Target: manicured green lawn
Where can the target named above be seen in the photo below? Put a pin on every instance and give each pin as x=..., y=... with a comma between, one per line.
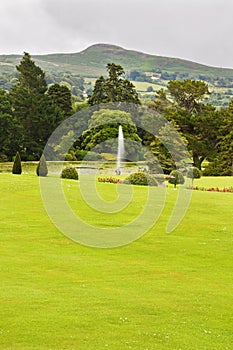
x=163, y=291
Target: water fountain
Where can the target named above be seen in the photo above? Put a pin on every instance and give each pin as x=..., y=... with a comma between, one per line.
x=120, y=150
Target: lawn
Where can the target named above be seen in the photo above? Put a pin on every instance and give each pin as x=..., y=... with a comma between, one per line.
x=163, y=291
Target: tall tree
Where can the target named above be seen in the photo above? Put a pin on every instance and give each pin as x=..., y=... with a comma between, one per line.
x=198, y=122
x=188, y=93
x=9, y=129
x=114, y=88
x=60, y=97
x=225, y=146
x=29, y=106
x=37, y=111
x=31, y=77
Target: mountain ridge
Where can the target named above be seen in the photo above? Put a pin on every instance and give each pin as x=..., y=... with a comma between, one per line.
x=91, y=57
x=91, y=62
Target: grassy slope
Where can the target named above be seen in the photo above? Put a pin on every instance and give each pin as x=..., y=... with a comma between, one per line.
x=92, y=62
x=161, y=292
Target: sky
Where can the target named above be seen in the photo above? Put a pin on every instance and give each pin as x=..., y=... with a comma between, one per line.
x=197, y=30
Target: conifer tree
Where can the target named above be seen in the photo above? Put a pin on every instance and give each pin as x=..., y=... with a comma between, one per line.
x=17, y=167
x=113, y=89
x=30, y=106
x=42, y=169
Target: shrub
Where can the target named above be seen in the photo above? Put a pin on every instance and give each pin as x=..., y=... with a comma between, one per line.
x=92, y=156
x=3, y=157
x=141, y=178
x=194, y=173
x=216, y=168
x=69, y=157
x=17, y=167
x=69, y=173
x=41, y=168
x=109, y=157
x=80, y=154
x=176, y=177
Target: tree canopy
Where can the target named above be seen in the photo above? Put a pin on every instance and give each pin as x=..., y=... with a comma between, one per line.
x=103, y=132
x=37, y=111
x=114, y=88
x=198, y=122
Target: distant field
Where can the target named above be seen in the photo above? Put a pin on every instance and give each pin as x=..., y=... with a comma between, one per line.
x=142, y=86
x=164, y=291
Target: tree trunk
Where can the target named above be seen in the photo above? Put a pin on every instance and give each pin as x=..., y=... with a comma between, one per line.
x=197, y=161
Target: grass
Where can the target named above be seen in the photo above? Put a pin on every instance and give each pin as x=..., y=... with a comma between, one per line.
x=160, y=292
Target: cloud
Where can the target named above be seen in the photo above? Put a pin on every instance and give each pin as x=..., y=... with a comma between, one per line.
x=198, y=30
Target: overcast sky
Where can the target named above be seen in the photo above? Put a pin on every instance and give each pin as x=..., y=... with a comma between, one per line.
x=197, y=30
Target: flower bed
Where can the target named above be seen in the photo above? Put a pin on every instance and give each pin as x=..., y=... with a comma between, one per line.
x=111, y=180
x=212, y=189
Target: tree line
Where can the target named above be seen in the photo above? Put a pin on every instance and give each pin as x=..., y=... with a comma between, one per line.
x=31, y=111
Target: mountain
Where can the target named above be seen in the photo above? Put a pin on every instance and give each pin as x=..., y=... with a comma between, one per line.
x=91, y=63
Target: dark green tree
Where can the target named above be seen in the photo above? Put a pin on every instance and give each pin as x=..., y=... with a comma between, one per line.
x=9, y=129
x=36, y=111
x=224, y=157
x=17, y=167
x=60, y=97
x=30, y=106
x=114, y=88
x=31, y=77
x=201, y=131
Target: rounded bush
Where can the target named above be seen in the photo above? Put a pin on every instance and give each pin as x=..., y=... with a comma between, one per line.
x=141, y=178
x=69, y=157
x=194, y=173
x=69, y=173
x=176, y=177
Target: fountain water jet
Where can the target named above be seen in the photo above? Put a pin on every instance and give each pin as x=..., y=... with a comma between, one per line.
x=120, y=150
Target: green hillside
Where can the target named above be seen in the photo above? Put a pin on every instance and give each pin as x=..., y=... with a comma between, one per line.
x=91, y=63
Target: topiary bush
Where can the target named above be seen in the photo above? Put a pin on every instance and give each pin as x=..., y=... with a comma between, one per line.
x=194, y=173
x=176, y=178
x=17, y=167
x=141, y=178
x=69, y=173
x=41, y=168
